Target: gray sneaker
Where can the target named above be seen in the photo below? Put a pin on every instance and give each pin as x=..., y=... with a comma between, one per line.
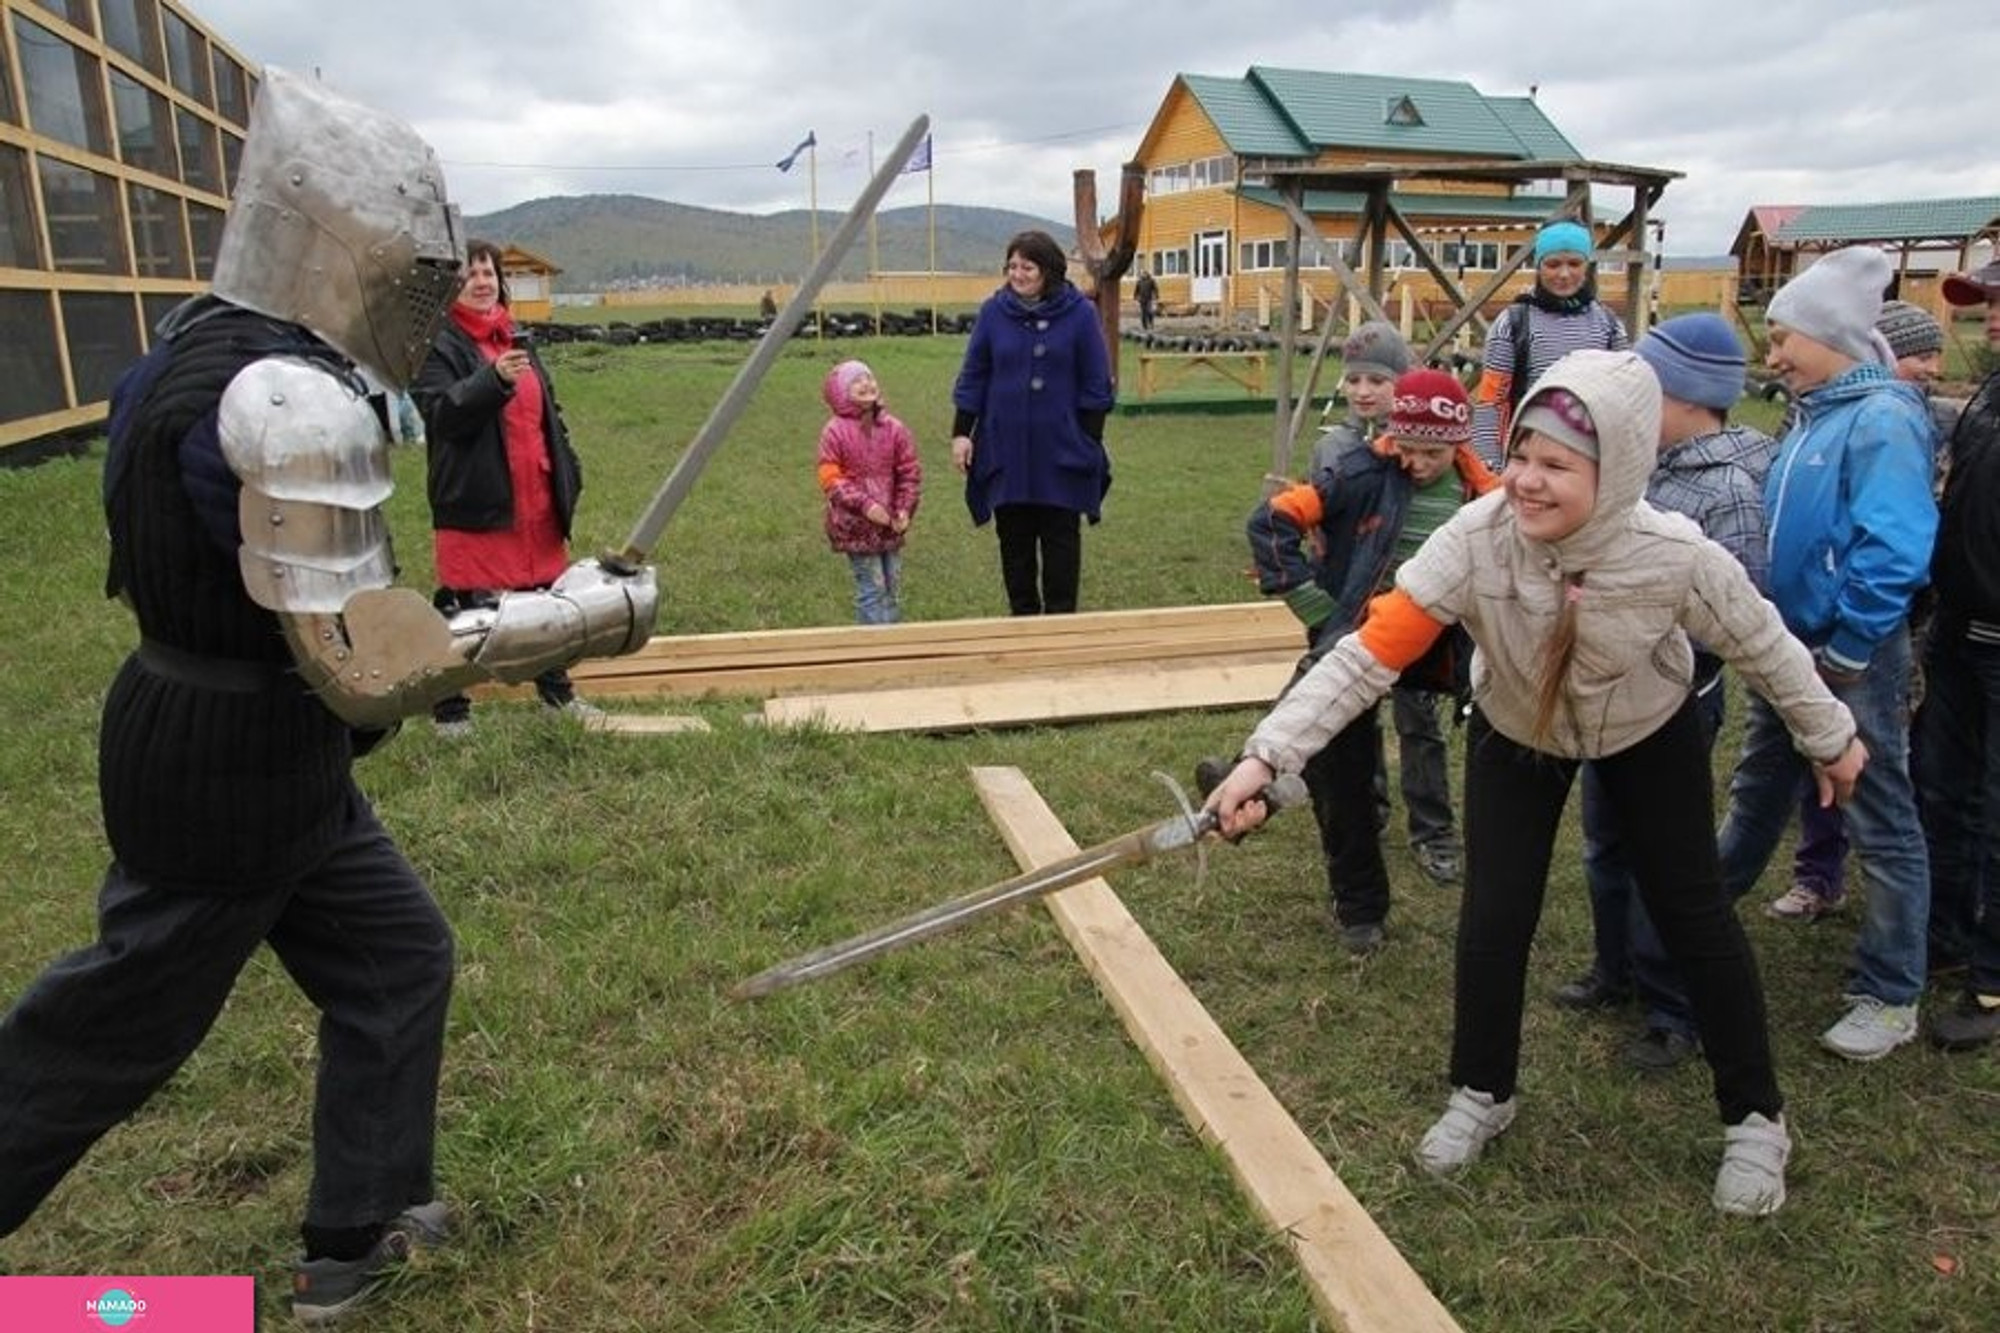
x=1364, y=939
x=1439, y=860
x=1469, y=1121
x=1751, y=1181
x=1870, y=1029
x=323, y=1290
x=1972, y=1023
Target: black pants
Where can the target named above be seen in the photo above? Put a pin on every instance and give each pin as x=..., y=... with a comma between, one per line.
x=1659, y=789
x=553, y=686
x=1041, y=557
x=1341, y=778
x=105, y=1027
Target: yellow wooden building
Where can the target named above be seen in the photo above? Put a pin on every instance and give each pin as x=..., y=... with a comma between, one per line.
x=1217, y=238
x=121, y=124
x=529, y=282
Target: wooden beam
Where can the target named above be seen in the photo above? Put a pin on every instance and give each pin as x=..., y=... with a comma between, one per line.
x=1236, y=681
x=1357, y=1278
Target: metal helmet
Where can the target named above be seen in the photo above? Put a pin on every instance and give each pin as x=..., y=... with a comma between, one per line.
x=340, y=223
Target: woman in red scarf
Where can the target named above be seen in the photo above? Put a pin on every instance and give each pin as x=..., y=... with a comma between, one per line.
x=503, y=479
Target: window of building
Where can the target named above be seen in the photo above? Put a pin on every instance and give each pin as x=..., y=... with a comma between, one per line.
x=187, y=59
x=103, y=331
x=77, y=12
x=8, y=111
x=232, y=159
x=145, y=130
x=86, y=234
x=159, y=236
x=132, y=28
x=205, y=230
x=1212, y=171
x=1168, y=263
x=1264, y=254
x=1176, y=179
x=201, y=161
x=31, y=381
x=232, y=92
x=20, y=242
x=65, y=93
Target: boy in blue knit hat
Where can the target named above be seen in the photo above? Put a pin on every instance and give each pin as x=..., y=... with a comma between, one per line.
x=1713, y=471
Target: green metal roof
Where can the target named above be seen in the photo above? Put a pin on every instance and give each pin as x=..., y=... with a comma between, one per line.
x=1250, y=124
x=1274, y=112
x=1908, y=220
x=1535, y=130
x=1417, y=206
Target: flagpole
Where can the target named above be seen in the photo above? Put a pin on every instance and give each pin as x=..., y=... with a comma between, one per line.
x=812, y=212
x=930, y=214
x=874, y=246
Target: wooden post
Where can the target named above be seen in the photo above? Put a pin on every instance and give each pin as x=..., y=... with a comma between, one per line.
x=1107, y=267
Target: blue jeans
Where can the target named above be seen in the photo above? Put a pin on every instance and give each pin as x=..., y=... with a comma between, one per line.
x=1628, y=947
x=878, y=587
x=1959, y=775
x=1882, y=823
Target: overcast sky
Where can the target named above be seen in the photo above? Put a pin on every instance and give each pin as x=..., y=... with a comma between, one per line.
x=1756, y=101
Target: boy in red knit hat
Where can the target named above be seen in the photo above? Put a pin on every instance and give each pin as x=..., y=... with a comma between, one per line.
x=1371, y=506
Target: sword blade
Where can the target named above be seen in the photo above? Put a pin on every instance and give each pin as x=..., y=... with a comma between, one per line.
x=1134, y=848
x=646, y=532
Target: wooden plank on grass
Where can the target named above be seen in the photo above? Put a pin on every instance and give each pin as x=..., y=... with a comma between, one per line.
x=1238, y=681
x=1357, y=1277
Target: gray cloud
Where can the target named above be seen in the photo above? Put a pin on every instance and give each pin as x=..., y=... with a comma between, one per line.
x=1779, y=102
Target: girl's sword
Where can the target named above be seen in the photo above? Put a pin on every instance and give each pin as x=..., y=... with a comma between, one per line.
x=1127, y=849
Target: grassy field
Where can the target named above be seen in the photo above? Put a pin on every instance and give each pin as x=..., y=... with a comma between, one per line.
x=958, y=1138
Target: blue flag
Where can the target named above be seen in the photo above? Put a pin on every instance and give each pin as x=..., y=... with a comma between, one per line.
x=921, y=159
x=793, y=156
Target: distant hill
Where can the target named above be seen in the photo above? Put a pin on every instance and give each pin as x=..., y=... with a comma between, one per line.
x=605, y=241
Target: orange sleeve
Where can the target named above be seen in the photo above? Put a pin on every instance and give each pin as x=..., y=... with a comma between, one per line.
x=1301, y=504
x=1397, y=631
x=830, y=476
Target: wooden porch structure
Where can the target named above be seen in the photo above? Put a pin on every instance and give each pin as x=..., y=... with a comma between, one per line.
x=1623, y=243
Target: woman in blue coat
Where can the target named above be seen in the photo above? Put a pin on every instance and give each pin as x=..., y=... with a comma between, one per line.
x=1028, y=425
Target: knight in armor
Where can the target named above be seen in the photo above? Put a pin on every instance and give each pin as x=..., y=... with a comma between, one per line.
x=243, y=486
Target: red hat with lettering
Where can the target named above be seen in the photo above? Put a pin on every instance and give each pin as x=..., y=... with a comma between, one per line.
x=1430, y=408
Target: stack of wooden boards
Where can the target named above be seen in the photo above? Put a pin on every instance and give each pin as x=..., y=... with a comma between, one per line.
x=952, y=675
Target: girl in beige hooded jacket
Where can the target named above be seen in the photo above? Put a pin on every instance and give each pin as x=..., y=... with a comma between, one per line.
x=1581, y=599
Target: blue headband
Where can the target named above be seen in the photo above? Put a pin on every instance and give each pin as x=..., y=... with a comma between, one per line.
x=1561, y=238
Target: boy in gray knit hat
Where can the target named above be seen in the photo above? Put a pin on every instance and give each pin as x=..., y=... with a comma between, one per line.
x=1850, y=493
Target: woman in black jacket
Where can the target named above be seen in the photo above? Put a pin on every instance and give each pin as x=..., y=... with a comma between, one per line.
x=503, y=480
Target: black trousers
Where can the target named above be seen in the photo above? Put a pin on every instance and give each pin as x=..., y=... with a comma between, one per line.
x=105, y=1027
x=1660, y=791
x=1041, y=557
x=1341, y=778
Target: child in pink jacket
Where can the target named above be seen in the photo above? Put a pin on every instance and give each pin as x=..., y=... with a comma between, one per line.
x=869, y=472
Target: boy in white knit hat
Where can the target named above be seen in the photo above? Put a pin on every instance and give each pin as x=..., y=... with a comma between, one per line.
x=1851, y=521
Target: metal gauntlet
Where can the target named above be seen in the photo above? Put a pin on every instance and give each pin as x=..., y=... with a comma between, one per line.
x=588, y=612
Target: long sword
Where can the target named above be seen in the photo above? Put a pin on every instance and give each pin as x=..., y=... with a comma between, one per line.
x=646, y=532
x=1127, y=849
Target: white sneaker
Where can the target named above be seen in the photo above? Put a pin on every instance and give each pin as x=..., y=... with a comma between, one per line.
x=1751, y=1181
x=1870, y=1029
x=457, y=729
x=1469, y=1120
x=1801, y=903
x=582, y=710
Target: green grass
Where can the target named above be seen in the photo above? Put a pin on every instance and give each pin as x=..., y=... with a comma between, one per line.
x=959, y=1137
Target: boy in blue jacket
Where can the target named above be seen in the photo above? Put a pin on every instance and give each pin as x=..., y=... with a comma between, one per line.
x=1369, y=508
x=1851, y=520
